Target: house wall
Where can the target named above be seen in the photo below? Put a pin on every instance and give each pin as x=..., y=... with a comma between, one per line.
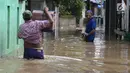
x=11, y=18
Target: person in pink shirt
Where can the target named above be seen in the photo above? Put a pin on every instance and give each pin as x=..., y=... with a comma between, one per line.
x=31, y=33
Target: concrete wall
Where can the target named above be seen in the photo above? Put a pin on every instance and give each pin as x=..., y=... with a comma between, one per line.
x=67, y=25
x=11, y=17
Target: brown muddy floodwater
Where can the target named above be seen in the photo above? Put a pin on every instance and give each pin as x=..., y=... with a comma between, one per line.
x=70, y=54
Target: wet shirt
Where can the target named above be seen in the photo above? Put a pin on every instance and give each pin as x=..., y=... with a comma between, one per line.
x=31, y=32
x=89, y=27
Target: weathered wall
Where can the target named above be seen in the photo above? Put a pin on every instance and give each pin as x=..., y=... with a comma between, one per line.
x=67, y=25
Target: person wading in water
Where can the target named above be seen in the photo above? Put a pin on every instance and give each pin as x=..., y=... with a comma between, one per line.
x=31, y=33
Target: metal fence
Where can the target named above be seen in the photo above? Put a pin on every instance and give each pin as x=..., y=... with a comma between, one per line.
x=99, y=21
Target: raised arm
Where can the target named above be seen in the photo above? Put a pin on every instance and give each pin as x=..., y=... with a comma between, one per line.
x=48, y=15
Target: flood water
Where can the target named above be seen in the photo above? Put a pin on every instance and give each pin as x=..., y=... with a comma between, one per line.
x=70, y=54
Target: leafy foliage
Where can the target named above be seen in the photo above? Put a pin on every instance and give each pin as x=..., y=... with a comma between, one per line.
x=70, y=7
x=74, y=7
x=57, y=2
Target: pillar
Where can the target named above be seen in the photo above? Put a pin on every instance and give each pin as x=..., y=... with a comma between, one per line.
x=110, y=19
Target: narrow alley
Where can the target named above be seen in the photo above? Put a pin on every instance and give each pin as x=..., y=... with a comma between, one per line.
x=64, y=49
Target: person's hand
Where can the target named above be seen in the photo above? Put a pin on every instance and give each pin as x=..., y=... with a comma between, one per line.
x=46, y=9
x=86, y=34
x=48, y=15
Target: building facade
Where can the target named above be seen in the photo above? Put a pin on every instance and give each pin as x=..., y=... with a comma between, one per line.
x=11, y=17
x=39, y=4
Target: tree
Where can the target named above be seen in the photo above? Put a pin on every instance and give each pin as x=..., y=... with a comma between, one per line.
x=70, y=7
x=57, y=2
x=73, y=7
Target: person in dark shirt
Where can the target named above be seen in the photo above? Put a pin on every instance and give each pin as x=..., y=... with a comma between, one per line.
x=90, y=27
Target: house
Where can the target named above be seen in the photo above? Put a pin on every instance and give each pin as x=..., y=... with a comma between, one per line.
x=11, y=17
x=39, y=4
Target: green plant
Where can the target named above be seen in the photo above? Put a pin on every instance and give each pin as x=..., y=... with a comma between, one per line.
x=70, y=7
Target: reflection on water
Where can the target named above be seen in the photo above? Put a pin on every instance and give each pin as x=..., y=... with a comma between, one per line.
x=70, y=54
x=101, y=56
